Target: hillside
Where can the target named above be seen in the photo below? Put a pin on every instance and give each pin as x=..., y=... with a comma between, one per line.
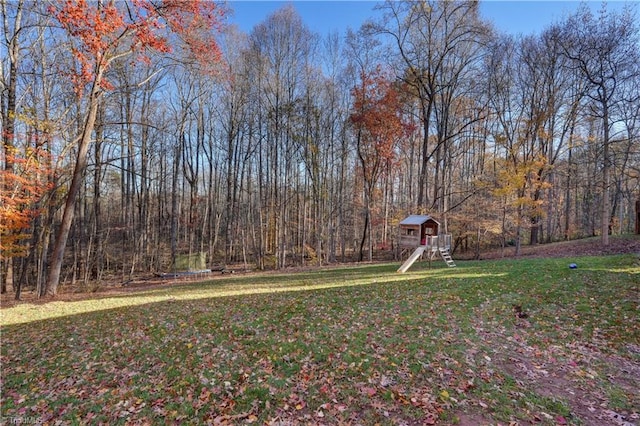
x=582, y=247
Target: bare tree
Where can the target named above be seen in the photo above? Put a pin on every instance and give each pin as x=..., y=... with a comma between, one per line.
x=116, y=39
x=437, y=42
x=604, y=49
x=281, y=46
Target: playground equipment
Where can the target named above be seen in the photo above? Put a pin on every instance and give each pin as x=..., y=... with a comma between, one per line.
x=420, y=232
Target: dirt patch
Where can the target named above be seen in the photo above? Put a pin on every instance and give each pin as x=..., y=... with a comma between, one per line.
x=573, y=374
x=471, y=419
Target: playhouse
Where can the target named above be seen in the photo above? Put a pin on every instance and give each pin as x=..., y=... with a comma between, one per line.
x=421, y=233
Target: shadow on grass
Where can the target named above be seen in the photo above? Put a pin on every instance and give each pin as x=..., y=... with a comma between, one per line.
x=223, y=287
x=438, y=277
x=352, y=334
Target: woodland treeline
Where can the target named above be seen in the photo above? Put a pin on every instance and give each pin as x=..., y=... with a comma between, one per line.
x=286, y=147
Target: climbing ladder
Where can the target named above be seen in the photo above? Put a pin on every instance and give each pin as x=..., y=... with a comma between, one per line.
x=444, y=253
x=446, y=256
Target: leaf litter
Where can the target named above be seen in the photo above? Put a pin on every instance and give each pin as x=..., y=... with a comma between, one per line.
x=450, y=351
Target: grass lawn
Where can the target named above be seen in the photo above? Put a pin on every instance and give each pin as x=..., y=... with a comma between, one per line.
x=525, y=341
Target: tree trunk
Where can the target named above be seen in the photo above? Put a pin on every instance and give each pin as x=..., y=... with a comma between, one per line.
x=76, y=183
x=96, y=263
x=174, y=204
x=567, y=208
x=364, y=235
x=6, y=273
x=638, y=216
x=424, y=157
x=606, y=176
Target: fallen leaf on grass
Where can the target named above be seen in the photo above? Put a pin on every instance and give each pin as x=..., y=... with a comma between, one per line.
x=369, y=391
x=230, y=419
x=430, y=419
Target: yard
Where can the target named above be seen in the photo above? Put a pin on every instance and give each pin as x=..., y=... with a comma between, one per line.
x=516, y=341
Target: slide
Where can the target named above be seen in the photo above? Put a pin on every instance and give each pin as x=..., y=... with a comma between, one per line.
x=406, y=265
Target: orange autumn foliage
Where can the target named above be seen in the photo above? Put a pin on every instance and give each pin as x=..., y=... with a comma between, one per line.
x=112, y=29
x=21, y=191
x=377, y=117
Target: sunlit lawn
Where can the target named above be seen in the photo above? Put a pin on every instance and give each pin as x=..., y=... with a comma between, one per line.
x=358, y=345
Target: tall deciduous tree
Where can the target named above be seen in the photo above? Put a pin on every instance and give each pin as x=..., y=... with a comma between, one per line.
x=280, y=47
x=437, y=42
x=12, y=25
x=265, y=160
x=103, y=32
x=604, y=49
x=377, y=119
x=21, y=189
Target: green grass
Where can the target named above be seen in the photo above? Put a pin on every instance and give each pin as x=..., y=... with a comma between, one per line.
x=359, y=345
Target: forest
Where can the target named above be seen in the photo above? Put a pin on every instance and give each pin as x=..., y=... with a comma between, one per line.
x=137, y=134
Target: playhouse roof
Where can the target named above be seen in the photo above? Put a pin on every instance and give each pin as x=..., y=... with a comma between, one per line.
x=417, y=219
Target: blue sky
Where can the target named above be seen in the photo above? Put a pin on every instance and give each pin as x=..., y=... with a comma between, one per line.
x=514, y=17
